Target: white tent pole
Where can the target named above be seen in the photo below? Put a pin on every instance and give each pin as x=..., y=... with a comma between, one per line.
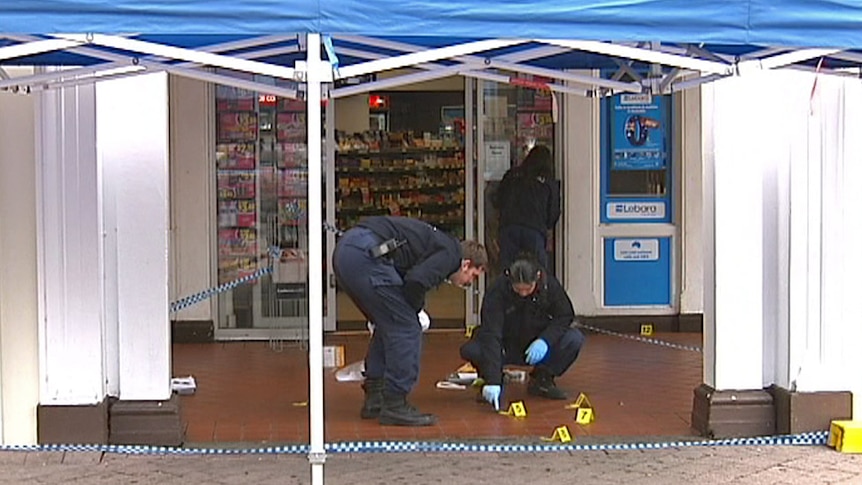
x=476, y=63
x=425, y=56
x=54, y=76
x=398, y=81
x=118, y=60
x=314, y=78
x=567, y=76
x=224, y=80
x=848, y=56
x=508, y=62
x=499, y=78
x=517, y=56
x=105, y=75
x=35, y=47
x=91, y=76
x=530, y=54
x=644, y=55
x=785, y=59
x=178, y=53
x=376, y=55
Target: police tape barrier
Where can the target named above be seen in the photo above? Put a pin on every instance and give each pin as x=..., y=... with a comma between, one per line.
x=274, y=254
x=638, y=338
x=816, y=438
x=182, y=303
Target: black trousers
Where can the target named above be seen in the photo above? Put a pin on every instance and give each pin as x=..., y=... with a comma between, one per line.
x=377, y=289
x=515, y=239
x=557, y=361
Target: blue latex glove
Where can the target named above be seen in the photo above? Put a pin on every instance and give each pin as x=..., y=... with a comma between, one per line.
x=491, y=393
x=536, y=351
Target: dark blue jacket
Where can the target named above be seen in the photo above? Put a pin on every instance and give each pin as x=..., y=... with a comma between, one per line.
x=429, y=255
x=510, y=323
x=528, y=201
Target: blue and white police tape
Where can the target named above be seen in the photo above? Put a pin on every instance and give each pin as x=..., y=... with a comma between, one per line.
x=331, y=228
x=274, y=254
x=817, y=438
x=640, y=339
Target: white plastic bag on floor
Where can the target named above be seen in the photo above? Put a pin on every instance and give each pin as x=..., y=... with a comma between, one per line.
x=355, y=372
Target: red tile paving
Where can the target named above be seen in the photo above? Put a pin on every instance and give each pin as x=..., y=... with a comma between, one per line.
x=252, y=392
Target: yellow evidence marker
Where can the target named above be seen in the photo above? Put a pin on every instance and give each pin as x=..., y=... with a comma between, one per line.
x=585, y=416
x=647, y=329
x=561, y=434
x=584, y=413
x=516, y=409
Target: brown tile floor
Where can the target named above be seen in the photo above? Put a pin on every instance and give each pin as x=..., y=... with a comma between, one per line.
x=253, y=392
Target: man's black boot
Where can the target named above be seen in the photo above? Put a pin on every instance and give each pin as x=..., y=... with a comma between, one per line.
x=398, y=412
x=373, y=398
x=542, y=384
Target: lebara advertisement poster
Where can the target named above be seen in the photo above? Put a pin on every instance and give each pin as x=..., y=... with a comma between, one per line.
x=639, y=137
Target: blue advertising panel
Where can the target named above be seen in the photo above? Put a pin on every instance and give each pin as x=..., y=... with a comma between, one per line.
x=638, y=139
x=636, y=159
x=637, y=271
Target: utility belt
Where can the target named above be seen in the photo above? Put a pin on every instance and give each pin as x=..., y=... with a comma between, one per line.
x=385, y=248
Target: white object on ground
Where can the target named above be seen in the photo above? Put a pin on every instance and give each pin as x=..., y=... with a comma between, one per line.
x=450, y=385
x=183, y=385
x=354, y=372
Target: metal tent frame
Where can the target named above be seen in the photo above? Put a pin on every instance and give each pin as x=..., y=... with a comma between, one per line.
x=677, y=67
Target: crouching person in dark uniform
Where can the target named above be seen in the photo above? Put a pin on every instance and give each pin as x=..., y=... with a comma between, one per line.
x=526, y=318
x=386, y=264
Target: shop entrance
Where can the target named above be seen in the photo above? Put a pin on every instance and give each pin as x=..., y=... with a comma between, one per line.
x=401, y=151
x=430, y=166
x=512, y=121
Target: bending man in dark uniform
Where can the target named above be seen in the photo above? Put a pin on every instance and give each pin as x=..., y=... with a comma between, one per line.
x=526, y=320
x=386, y=264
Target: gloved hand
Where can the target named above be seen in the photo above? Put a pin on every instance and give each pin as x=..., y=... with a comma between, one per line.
x=536, y=351
x=491, y=393
x=424, y=320
x=414, y=293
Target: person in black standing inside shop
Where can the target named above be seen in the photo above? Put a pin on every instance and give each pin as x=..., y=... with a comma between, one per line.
x=526, y=320
x=386, y=264
x=528, y=201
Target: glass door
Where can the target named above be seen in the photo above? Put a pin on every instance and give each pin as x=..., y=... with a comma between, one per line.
x=511, y=120
x=262, y=187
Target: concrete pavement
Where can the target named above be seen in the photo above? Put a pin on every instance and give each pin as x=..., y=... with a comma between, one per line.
x=721, y=464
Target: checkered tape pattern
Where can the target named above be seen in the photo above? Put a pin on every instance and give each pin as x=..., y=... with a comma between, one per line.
x=640, y=338
x=182, y=303
x=274, y=254
x=817, y=438
x=329, y=227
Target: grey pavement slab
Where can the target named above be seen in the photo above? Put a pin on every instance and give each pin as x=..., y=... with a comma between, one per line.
x=713, y=465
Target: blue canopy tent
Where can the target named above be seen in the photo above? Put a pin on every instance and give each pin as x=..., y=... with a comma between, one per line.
x=796, y=23
x=694, y=41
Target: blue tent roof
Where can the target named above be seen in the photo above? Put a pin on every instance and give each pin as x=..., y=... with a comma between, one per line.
x=791, y=23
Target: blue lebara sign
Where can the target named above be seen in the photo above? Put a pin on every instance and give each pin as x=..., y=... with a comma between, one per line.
x=638, y=138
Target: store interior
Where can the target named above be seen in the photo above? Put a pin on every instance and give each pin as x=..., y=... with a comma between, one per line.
x=399, y=151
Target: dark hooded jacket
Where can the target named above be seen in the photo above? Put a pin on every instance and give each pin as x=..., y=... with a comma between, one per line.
x=510, y=323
